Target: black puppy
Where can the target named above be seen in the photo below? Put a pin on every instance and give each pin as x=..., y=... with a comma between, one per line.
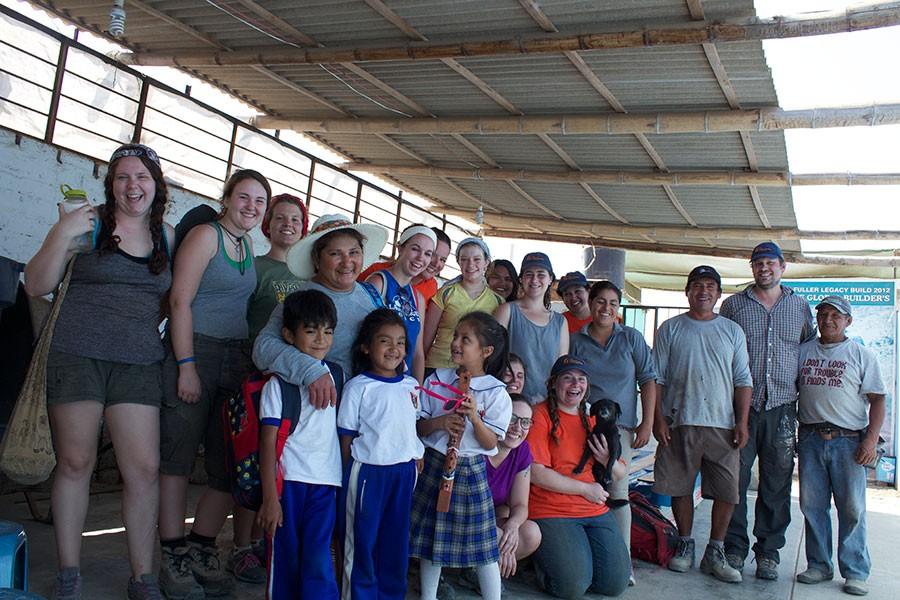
x=606, y=412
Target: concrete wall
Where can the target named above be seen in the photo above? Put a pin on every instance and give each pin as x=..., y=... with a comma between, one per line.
x=30, y=175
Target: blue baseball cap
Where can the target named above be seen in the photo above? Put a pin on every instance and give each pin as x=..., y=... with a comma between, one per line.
x=567, y=362
x=573, y=279
x=767, y=250
x=539, y=260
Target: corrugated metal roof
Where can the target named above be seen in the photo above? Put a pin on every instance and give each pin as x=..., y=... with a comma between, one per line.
x=640, y=79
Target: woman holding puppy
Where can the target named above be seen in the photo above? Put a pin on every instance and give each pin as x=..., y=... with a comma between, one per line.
x=581, y=548
x=616, y=357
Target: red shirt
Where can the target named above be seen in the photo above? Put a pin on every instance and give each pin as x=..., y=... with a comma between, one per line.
x=561, y=457
x=575, y=324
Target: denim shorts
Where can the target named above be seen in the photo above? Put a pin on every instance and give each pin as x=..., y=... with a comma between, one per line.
x=72, y=378
x=221, y=365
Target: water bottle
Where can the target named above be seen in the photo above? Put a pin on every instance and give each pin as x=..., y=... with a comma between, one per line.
x=73, y=199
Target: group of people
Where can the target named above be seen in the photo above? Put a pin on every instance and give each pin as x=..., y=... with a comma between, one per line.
x=733, y=387
x=390, y=374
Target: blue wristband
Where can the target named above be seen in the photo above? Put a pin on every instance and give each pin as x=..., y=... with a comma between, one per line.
x=185, y=360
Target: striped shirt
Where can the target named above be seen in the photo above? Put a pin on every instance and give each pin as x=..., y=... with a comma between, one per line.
x=773, y=342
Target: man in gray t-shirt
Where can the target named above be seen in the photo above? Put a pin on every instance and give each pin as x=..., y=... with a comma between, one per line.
x=703, y=372
x=841, y=410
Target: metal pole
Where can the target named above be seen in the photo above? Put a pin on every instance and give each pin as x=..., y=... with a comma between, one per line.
x=230, y=164
x=139, y=118
x=57, y=91
x=397, y=224
x=358, y=200
x=309, y=187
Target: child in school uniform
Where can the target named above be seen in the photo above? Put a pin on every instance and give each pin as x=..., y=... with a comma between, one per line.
x=466, y=535
x=379, y=447
x=299, y=518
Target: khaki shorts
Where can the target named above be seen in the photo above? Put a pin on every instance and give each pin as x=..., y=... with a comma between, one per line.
x=73, y=378
x=221, y=365
x=693, y=449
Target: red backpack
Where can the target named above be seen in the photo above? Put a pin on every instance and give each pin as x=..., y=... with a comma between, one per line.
x=653, y=536
x=240, y=415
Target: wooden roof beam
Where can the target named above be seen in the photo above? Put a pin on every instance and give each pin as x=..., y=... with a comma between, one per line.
x=719, y=251
x=503, y=220
x=854, y=19
x=669, y=122
x=679, y=178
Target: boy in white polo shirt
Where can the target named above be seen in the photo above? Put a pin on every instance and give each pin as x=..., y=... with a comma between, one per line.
x=299, y=518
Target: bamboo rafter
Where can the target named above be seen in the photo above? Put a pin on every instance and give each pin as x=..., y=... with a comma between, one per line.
x=505, y=221
x=679, y=178
x=718, y=251
x=671, y=122
x=864, y=17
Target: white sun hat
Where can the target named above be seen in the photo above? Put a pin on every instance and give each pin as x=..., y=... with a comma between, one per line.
x=299, y=256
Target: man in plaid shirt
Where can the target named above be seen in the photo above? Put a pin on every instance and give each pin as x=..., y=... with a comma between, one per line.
x=775, y=321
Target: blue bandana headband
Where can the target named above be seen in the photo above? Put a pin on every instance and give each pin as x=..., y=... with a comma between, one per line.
x=138, y=150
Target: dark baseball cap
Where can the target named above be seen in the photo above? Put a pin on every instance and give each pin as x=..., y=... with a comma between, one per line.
x=571, y=279
x=767, y=250
x=539, y=260
x=839, y=303
x=704, y=272
x=567, y=362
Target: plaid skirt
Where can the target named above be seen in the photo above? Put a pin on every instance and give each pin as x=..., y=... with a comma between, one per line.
x=466, y=536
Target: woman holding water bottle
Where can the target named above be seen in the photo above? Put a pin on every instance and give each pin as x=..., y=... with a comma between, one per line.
x=106, y=355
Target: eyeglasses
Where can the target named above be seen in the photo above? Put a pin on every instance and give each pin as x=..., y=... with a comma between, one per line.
x=522, y=422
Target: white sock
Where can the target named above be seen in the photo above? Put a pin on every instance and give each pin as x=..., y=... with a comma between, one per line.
x=429, y=577
x=489, y=580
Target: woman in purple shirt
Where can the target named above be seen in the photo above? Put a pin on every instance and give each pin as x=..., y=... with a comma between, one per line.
x=509, y=477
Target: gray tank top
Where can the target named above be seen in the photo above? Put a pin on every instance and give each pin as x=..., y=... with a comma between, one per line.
x=112, y=309
x=537, y=346
x=220, y=306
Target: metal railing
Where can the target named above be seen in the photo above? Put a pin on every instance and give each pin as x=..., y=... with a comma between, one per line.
x=647, y=319
x=58, y=90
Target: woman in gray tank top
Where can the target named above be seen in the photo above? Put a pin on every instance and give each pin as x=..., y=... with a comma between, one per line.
x=105, y=356
x=537, y=334
x=208, y=357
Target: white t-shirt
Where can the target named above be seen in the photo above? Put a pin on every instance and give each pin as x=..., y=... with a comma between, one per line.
x=381, y=413
x=494, y=406
x=312, y=452
x=833, y=383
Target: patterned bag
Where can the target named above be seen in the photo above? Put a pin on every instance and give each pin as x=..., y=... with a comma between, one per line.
x=27, y=455
x=240, y=418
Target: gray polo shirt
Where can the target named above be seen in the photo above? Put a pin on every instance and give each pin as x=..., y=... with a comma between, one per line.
x=616, y=369
x=700, y=363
